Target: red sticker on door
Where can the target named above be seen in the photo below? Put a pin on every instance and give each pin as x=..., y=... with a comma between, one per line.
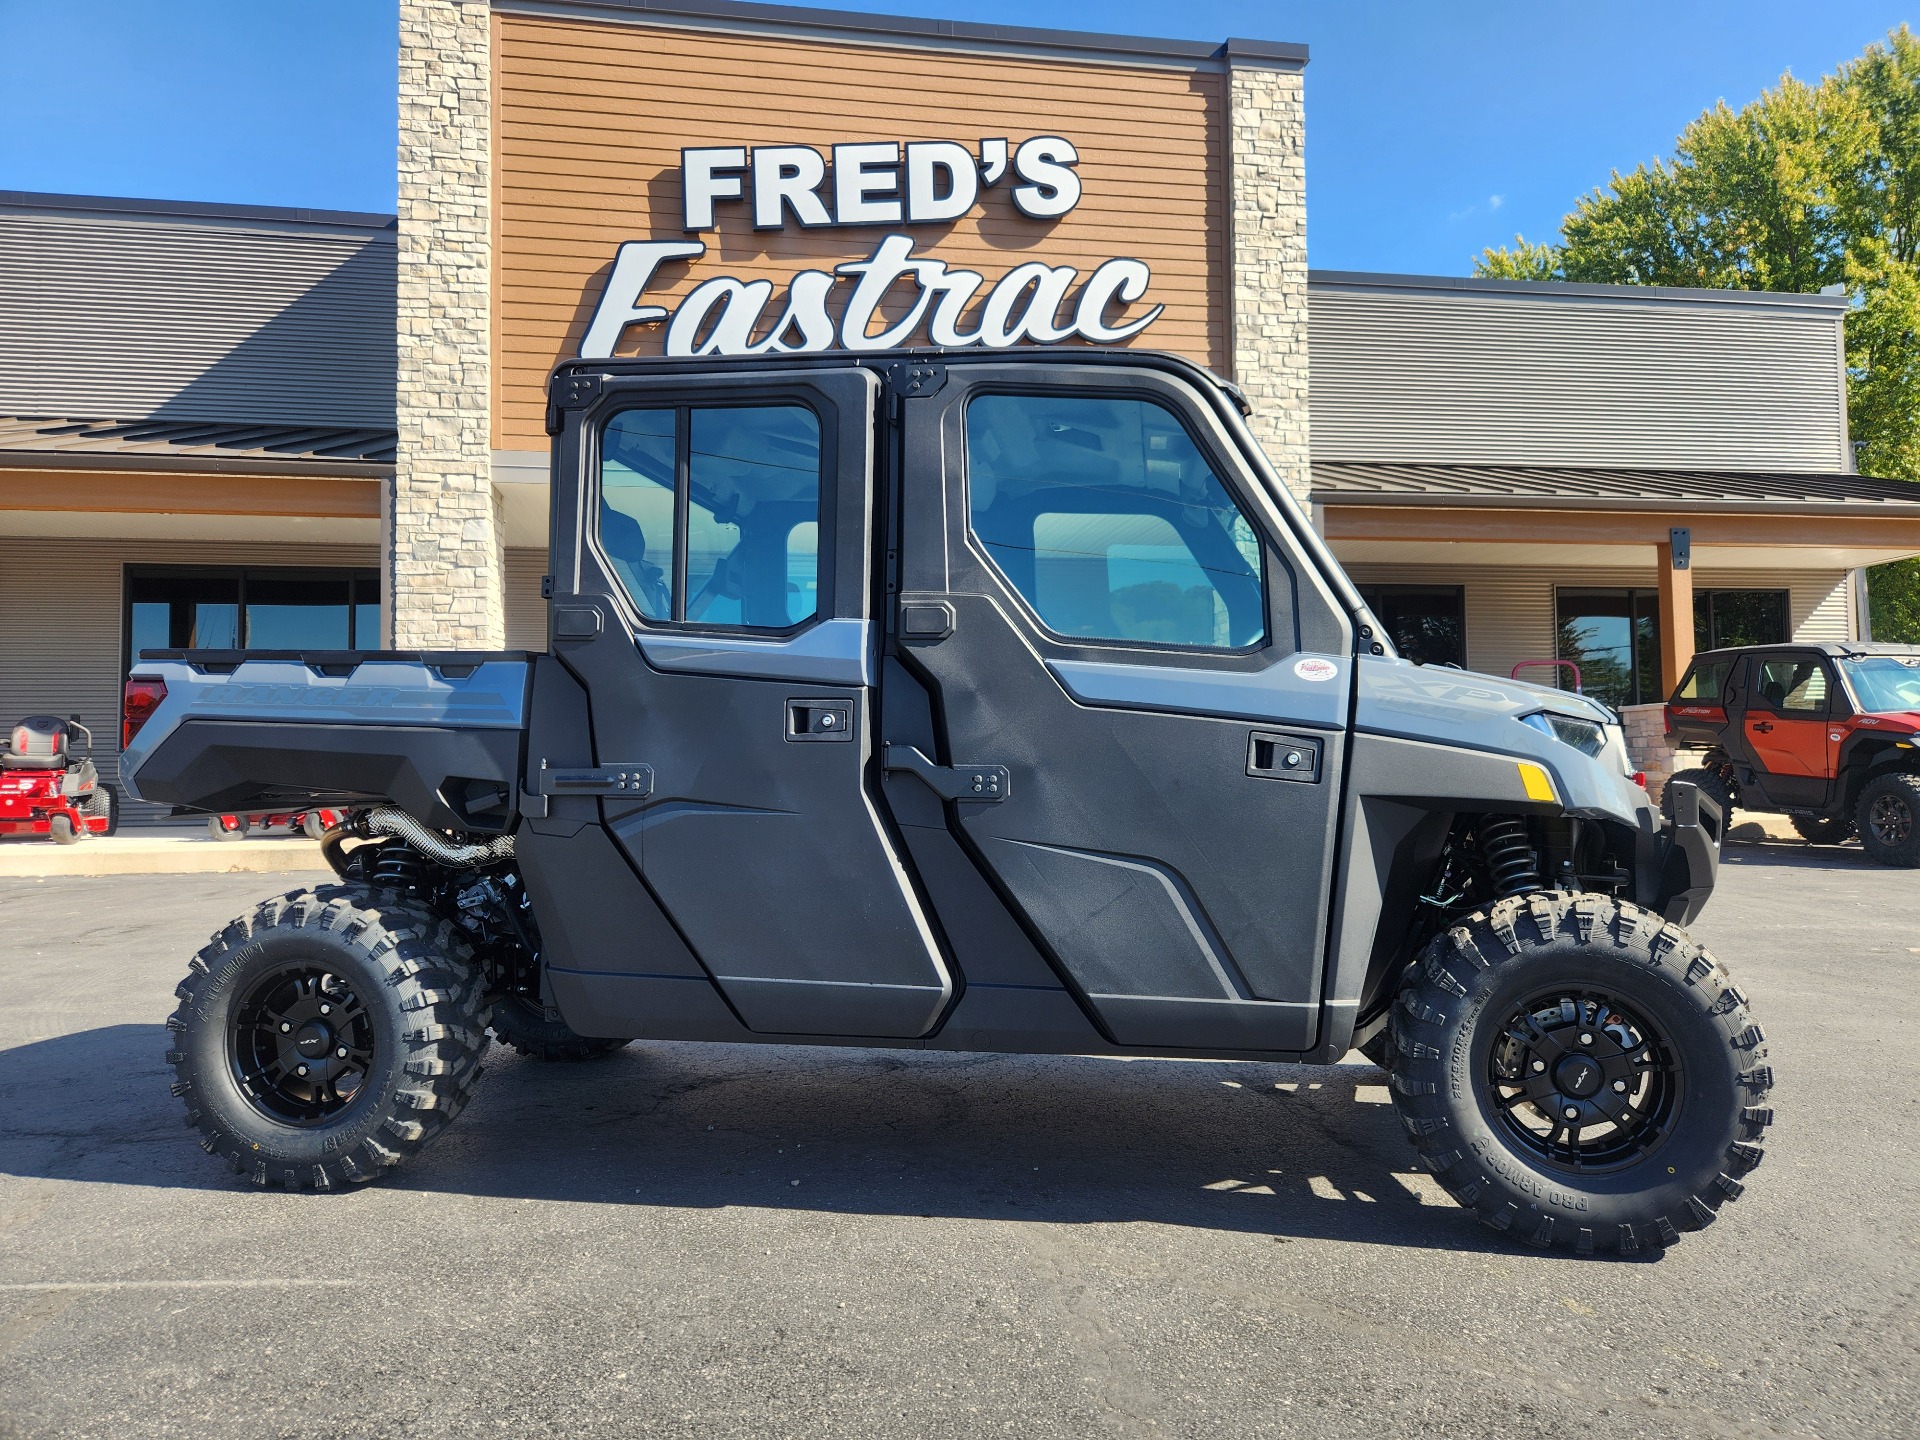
x=1314, y=668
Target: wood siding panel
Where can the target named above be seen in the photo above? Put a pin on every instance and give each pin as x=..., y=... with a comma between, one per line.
x=1467, y=377
x=589, y=121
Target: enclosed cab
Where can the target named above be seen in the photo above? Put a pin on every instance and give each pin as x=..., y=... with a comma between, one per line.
x=972, y=702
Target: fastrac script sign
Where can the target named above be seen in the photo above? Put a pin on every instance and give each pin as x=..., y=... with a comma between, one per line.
x=894, y=296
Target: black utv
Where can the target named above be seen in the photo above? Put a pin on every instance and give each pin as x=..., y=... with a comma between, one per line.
x=958, y=701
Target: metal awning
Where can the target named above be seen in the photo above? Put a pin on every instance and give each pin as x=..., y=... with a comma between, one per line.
x=1584, y=488
x=55, y=442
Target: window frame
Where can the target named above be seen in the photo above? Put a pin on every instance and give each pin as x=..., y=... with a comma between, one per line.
x=682, y=402
x=353, y=575
x=1270, y=559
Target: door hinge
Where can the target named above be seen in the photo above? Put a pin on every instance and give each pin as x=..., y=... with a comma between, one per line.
x=956, y=782
x=631, y=780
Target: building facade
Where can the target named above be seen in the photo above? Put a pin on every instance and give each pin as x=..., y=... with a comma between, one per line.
x=242, y=426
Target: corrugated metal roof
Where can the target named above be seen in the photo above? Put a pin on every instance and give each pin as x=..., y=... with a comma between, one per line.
x=1349, y=482
x=124, y=441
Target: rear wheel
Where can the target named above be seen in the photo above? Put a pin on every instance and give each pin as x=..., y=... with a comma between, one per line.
x=1711, y=783
x=103, y=804
x=1823, y=830
x=327, y=1037
x=532, y=1029
x=1889, y=817
x=1576, y=1071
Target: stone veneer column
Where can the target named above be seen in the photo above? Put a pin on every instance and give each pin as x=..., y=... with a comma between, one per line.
x=1267, y=201
x=445, y=541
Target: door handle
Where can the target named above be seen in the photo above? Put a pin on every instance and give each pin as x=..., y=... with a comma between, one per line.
x=957, y=782
x=1765, y=727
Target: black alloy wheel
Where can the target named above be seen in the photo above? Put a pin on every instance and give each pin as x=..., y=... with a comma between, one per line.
x=301, y=1045
x=327, y=1037
x=1582, y=1081
x=1889, y=817
x=1579, y=1072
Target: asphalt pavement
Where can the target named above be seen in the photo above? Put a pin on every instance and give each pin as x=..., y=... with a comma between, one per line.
x=703, y=1240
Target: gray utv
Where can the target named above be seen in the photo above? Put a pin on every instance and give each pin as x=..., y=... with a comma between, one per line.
x=960, y=701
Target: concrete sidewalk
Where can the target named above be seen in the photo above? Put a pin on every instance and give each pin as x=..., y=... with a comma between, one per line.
x=159, y=854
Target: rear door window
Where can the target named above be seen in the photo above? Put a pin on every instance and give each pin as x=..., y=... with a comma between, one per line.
x=710, y=515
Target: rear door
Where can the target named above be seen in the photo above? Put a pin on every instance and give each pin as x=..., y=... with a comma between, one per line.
x=714, y=572
x=1137, y=747
x=1786, y=726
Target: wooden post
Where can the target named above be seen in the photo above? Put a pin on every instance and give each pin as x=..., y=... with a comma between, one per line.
x=1675, y=559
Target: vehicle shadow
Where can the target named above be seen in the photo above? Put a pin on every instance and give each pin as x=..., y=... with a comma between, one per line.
x=1291, y=1151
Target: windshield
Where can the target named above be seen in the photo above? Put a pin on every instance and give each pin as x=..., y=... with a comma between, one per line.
x=1885, y=683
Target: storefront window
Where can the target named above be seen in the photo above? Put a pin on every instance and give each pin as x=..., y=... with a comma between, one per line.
x=1614, y=637
x=1723, y=618
x=1427, y=623
x=176, y=608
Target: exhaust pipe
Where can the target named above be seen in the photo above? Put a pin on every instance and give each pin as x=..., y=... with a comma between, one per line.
x=385, y=820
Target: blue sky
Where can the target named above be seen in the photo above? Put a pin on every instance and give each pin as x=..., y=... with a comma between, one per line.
x=1434, y=127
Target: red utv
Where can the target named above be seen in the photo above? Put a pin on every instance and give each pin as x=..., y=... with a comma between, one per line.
x=47, y=790
x=1823, y=733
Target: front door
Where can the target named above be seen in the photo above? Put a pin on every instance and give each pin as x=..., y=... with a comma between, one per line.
x=717, y=553
x=1138, y=749
x=1787, y=727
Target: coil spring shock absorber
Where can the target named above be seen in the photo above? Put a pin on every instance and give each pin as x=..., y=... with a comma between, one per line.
x=1511, y=863
x=398, y=865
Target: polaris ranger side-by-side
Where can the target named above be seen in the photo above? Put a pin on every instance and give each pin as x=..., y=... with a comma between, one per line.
x=957, y=701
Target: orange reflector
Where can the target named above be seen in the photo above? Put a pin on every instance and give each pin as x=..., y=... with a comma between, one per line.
x=1538, y=784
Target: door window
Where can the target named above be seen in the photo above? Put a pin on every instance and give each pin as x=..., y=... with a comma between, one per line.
x=1104, y=516
x=1796, y=685
x=710, y=515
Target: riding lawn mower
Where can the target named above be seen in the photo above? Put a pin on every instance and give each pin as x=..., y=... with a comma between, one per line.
x=45, y=789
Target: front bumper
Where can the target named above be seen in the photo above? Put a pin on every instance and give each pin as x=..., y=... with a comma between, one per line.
x=1679, y=865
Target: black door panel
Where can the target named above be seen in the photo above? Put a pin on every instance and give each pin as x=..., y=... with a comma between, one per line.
x=762, y=845
x=1181, y=897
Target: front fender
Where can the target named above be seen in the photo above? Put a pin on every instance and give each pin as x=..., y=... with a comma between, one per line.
x=1678, y=866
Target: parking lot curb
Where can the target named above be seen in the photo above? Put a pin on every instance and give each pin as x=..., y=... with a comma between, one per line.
x=158, y=855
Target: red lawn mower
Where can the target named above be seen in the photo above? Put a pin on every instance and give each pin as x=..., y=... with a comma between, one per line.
x=47, y=790
x=311, y=823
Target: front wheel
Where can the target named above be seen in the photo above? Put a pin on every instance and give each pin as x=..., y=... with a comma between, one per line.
x=327, y=1037
x=1579, y=1073
x=1889, y=817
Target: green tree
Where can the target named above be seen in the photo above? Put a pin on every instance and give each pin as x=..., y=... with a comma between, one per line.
x=1808, y=186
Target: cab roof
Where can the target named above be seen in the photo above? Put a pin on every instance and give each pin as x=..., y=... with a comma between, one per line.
x=1834, y=649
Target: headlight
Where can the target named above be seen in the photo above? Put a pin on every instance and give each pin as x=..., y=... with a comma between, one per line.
x=1586, y=736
